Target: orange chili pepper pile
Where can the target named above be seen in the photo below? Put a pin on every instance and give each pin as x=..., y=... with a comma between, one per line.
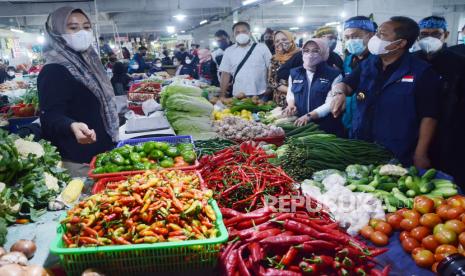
x=147, y=208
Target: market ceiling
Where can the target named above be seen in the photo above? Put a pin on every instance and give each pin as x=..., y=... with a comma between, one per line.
x=153, y=16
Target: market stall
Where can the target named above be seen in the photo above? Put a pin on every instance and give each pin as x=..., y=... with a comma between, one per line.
x=240, y=190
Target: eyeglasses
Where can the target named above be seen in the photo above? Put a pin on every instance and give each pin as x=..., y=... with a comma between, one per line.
x=436, y=34
x=311, y=51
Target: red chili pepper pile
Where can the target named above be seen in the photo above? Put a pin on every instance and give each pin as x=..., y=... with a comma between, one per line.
x=264, y=242
x=241, y=177
x=148, y=208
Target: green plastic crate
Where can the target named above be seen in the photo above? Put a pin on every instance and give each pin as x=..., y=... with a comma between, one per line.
x=183, y=256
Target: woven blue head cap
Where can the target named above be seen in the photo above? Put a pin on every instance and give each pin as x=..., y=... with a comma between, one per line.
x=433, y=23
x=366, y=25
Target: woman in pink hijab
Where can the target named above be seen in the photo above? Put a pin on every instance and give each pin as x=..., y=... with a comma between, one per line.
x=309, y=85
x=206, y=67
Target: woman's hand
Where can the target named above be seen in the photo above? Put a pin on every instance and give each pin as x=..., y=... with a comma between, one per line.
x=302, y=121
x=338, y=105
x=290, y=110
x=83, y=134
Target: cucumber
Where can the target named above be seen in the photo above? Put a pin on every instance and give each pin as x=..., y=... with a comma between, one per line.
x=426, y=186
x=429, y=175
x=445, y=192
x=362, y=181
x=400, y=196
x=440, y=183
x=410, y=193
x=375, y=181
x=387, y=186
x=392, y=203
x=381, y=193
x=365, y=188
x=401, y=184
x=352, y=187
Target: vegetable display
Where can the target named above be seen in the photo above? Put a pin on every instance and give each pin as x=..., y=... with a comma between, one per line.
x=30, y=177
x=351, y=210
x=264, y=242
x=395, y=185
x=187, y=111
x=145, y=156
x=308, y=154
x=432, y=230
x=146, y=208
x=241, y=130
x=244, y=114
x=209, y=147
x=253, y=104
x=241, y=177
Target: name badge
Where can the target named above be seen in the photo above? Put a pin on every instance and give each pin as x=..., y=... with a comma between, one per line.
x=324, y=80
x=407, y=79
x=297, y=81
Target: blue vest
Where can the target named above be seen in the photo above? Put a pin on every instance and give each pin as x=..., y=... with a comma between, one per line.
x=307, y=98
x=388, y=115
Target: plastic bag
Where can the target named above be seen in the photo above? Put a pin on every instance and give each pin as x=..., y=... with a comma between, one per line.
x=150, y=106
x=321, y=175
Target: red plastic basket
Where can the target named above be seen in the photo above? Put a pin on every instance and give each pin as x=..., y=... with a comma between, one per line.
x=155, y=85
x=127, y=173
x=276, y=140
x=137, y=109
x=101, y=184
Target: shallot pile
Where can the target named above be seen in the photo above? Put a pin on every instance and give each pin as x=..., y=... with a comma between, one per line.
x=236, y=128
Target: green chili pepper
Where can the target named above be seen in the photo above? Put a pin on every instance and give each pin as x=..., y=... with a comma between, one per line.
x=117, y=158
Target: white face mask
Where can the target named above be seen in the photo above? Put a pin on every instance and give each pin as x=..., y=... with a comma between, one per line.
x=79, y=41
x=175, y=63
x=188, y=61
x=242, y=38
x=11, y=73
x=158, y=65
x=377, y=46
x=135, y=66
x=430, y=44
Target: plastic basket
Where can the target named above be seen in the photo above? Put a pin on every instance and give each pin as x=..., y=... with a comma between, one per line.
x=137, y=259
x=168, y=139
x=137, y=109
x=136, y=85
x=276, y=140
x=101, y=184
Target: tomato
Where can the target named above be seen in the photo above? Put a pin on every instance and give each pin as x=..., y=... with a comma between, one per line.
x=415, y=251
x=438, y=201
x=394, y=220
x=424, y=258
x=462, y=238
x=420, y=232
x=455, y=212
x=442, y=211
x=430, y=220
x=434, y=268
x=439, y=257
x=423, y=204
x=366, y=231
x=445, y=236
x=446, y=248
x=374, y=222
x=409, y=224
x=438, y=228
x=403, y=235
x=430, y=243
x=460, y=249
x=411, y=214
x=457, y=200
x=400, y=212
x=409, y=244
x=384, y=227
x=379, y=238
x=455, y=225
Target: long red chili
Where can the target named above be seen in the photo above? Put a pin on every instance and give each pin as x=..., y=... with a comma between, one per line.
x=289, y=256
x=278, y=272
x=286, y=240
x=243, y=270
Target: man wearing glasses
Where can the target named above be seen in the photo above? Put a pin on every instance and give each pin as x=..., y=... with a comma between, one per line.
x=448, y=147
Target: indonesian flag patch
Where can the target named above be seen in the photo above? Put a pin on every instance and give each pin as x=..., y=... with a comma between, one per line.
x=407, y=79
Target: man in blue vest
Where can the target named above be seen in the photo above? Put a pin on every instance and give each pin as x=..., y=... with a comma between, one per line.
x=397, y=95
x=358, y=30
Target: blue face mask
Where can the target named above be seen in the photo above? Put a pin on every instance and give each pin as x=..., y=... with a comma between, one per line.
x=355, y=46
x=463, y=39
x=223, y=44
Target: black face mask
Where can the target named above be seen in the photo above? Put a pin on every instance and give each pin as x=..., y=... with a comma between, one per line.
x=182, y=49
x=269, y=43
x=113, y=59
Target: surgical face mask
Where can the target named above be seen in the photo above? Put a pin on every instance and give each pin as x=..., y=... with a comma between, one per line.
x=242, y=38
x=311, y=60
x=430, y=44
x=463, y=39
x=134, y=66
x=188, y=61
x=11, y=73
x=158, y=65
x=175, y=63
x=355, y=46
x=332, y=44
x=79, y=41
x=377, y=46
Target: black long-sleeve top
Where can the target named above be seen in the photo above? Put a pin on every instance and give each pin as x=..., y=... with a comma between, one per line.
x=63, y=100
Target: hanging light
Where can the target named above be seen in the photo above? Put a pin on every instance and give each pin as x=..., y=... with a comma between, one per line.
x=205, y=21
x=171, y=29
x=287, y=2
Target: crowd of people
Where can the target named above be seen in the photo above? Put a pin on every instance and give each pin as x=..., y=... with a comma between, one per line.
x=379, y=90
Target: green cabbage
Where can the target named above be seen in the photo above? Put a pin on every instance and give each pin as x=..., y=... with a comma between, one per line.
x=171, y=90
x=194, y=105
